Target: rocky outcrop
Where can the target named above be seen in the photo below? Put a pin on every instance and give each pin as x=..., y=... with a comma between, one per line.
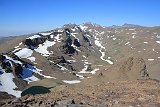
x=135, y=66
x=34, y=42
x=13, y=65
x=57, y=59
x=17, y=69
x=76, y=43
x=2, y=58
x=10, y=66
x=60, y=60
x=66, y=47
x=86, y=39
x=68, y=31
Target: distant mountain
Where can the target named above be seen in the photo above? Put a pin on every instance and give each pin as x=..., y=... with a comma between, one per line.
x=130, y=25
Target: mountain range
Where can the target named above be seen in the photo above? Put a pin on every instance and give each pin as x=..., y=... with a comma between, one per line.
x=82, y=65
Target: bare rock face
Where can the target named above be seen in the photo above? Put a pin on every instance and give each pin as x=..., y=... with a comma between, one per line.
x=135, y=67
x=57, y=59
x=60, y=60
x=34, y=42
x=76, y=43
x=68, y=49
x=11, y=66
x=17, y=69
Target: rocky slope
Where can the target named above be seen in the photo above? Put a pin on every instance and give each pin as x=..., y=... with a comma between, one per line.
x=139, y=93
x=87, y=54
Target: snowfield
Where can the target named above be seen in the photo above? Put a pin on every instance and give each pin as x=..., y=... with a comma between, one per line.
x=42, y=48
x=24, y=53
x=7, y=84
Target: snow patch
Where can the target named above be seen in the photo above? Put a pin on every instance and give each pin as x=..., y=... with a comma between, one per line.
x=42, y=48
x=45, y=33
x=97, y=42
x=33, y=37
x=17, y=49
x=71, y=61
x=24, y=53
x=7, y=84
x=133, y=36
x=114, y=38
x=134, y=33
x=9, y=58
x=20, y=43
x=84, y=56
x=80, y=76
x=102, y=57
x=158, y=36
x=62, y=67
x=36, y=70
x=75, y=47
x=31, y=79
x=57, y=38
x=83, y=27
x=16, y=46
x=32, y=59
x=71, y=81
x=145, y=42
x=150, y=59
x=127, y=43
x=158, y=42
x=94, y=71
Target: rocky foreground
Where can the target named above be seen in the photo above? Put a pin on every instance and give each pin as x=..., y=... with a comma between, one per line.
x=138, y=93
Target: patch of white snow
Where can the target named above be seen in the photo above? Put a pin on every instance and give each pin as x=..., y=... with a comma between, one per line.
x=71, y=81
x=42, y=48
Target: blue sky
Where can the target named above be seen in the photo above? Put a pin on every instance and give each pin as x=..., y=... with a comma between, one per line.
x=26, y=16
